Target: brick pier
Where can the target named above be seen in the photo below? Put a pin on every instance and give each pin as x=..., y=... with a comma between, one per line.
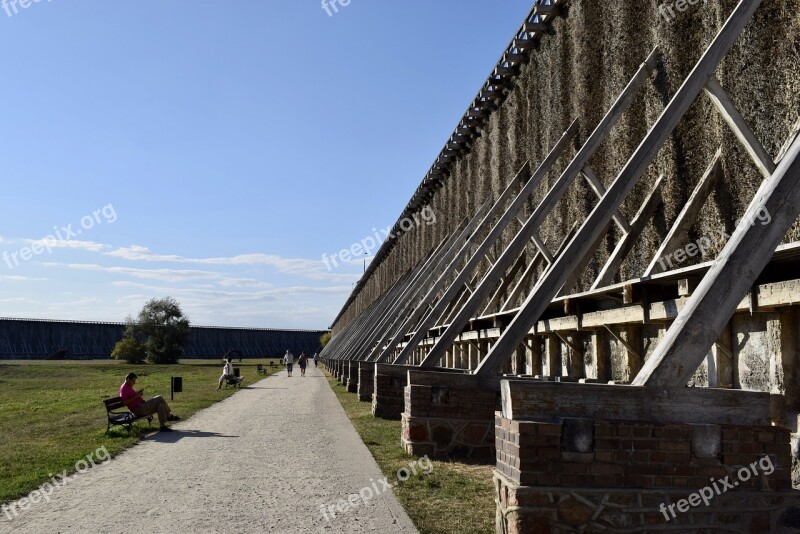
x=603, y=466
x=448, y=414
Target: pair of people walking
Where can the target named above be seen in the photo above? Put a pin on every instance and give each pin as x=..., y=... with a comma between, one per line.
x=302, y=362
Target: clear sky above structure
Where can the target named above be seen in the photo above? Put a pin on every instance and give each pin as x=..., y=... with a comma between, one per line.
x=218, y=152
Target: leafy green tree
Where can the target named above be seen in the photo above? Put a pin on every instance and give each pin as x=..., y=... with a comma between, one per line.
x=162, y=329
x=129, y=349
x=325, y=338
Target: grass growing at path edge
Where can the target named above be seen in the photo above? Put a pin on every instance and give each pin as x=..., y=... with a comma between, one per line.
x=52, y=414
x=455, y=498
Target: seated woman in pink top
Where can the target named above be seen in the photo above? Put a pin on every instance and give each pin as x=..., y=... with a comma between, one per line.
x=138, y=406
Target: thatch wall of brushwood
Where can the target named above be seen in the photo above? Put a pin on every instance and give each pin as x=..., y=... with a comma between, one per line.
x=578, y=71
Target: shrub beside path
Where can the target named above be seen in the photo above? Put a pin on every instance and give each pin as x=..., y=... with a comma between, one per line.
x=264, y=460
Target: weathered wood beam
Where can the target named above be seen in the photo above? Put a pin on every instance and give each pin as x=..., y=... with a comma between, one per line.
x=486, y=218
x=626, y=244
x=687, y=217
x=740, y=127
x=597, y=186
x=524, y=280
x=494, y=233
x=730, y=278
x=528, y=399
x=508, y=279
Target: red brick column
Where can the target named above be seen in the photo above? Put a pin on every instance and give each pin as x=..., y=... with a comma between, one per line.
x=448, y=415
x=366, y=381
x=387, y=397
x=593, y=474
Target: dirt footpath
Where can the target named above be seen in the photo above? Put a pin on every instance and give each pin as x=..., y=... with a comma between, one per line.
x=265, y=460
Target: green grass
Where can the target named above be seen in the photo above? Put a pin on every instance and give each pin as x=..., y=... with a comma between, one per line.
x=52, y=414
x=454, y=498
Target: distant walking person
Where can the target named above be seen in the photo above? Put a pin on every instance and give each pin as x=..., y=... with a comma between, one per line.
x=316, y=359
x=288, y=360
x=303, y=361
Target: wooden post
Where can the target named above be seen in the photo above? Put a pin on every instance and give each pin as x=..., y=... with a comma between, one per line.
x=552, y=350
x=601, y=355
x=535, y=352
x=786, y=370
x=722, y=352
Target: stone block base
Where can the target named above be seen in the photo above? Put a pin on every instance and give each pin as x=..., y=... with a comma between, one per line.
x=366, y=381
x=388, y=399
x=448, y=438
x=526, y=509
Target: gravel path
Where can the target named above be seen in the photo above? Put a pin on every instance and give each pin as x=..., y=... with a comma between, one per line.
x=263, y=460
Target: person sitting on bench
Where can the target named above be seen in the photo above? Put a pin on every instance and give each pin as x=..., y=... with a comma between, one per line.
x=135, y=402
x=228, y=373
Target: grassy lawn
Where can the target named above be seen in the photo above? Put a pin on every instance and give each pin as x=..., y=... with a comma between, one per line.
x=455, y=498
x=52, y=414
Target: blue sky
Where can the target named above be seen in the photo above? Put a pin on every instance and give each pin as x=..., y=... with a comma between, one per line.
x=215, y=151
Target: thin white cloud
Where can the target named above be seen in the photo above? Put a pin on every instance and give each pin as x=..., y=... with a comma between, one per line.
x=164, y=275
x=311, y=269
x=91, y=246
x=16, y=278
x=18, y=300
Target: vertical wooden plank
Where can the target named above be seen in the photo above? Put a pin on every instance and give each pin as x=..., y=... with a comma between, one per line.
x=601, y=355
x=722, y=352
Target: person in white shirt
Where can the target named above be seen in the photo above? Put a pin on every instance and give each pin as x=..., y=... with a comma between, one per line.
x=316, y=359
x=226, y=372
x=288, y=359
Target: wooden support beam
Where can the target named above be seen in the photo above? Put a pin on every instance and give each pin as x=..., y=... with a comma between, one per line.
x=508, y=279
x=519, y=242
x=687, y=217
x=740, y=127
x=494, y=233
x=597, y=186
x=552, y=363
x=626, y=244
x=601, y=356
x=549, y=285
x=541, y=10
x=532, y=27
x=524, y=280
x=488, y=212
x=426, y=278
x=731, y=277
x=528, y=399
x=574, y=364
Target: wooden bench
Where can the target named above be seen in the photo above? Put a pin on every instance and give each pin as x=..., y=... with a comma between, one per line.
x=118, y=417
x=261, y=369
x=272, y=364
